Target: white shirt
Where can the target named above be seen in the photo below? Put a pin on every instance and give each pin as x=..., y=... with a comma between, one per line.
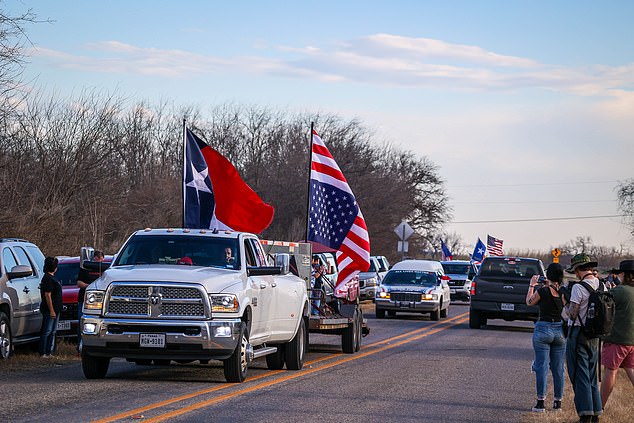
x=580, y=295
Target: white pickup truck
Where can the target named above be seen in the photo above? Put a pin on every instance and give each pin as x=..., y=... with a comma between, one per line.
x=187, y=295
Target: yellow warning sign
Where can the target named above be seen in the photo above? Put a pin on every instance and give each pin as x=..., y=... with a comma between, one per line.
x=556, y=253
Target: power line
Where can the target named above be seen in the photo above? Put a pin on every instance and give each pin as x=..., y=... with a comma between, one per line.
x=535, y=184
x=534, y=202
x=542, y=219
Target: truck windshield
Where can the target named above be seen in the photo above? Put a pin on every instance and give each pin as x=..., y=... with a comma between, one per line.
x=181, y=250
x=410, y=277
x=455, y=269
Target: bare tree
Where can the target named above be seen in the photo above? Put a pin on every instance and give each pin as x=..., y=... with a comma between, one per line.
x=625, y=195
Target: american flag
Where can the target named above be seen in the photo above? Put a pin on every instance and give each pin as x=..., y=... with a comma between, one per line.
x=334, y=218
x=494, y=246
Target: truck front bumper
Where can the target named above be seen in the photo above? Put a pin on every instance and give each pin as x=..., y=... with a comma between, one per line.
x=184, y=339
x=407, y=306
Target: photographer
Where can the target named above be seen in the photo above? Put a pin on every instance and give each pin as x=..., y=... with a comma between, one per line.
x=549, y=342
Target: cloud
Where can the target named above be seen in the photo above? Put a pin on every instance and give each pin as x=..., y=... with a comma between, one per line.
x=379, y=59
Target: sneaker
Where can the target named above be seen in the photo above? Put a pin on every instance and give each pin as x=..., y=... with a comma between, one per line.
x=45, y=356
x=557, y=405
x=539, y=407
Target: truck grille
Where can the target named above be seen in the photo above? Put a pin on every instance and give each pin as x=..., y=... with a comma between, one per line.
x=405, y=296
x=456, y=283
x=158, y=301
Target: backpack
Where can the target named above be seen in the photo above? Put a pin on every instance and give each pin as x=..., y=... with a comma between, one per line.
x=600, y=314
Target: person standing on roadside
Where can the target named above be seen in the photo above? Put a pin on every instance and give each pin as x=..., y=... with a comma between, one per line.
x=618, y=347
x=51, y=307
x=582, y=353
x=84, y=279
x=549, y=342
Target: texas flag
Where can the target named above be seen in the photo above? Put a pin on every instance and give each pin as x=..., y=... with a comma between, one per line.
x=214, y=195
x=446, y=252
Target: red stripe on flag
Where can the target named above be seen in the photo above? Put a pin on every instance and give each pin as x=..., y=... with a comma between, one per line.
x=361, y=242
x=359, y=263
x=327, y=170
x=321, y=150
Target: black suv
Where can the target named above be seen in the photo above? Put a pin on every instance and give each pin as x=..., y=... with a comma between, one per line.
x=499, y=290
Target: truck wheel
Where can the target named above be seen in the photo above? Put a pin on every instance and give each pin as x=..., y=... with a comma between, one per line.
x=349, y=335
x=275, y=361
x=235, y=367
x=357, y=347
x=295, y=350
x=474, y=319
x=435, y=315
x=380, y=313
x=6, y=344
x=94, y=367
x=443, y=312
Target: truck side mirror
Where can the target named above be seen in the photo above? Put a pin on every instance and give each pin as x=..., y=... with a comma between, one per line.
x=86, y=254
x=20, y=271
x=283, y=261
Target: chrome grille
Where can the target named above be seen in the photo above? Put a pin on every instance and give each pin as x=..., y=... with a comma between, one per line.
x=405, y=296
x=456, y=283
x=155, y=300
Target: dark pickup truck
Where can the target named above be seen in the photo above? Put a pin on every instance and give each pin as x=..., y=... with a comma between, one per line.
x=499, y=290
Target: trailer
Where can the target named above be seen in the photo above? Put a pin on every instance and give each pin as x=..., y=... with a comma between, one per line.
x=333, y=312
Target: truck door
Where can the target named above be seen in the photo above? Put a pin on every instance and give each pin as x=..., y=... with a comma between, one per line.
x=32, y=284
x=261, y=291
x=18, y=291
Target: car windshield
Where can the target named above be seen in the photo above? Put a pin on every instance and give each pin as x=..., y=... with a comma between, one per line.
x=455, y=269
x=182, y=250
x=510, y=268
x=382, y=267
x=410, y=277
x=372, y=266
x=67, y=273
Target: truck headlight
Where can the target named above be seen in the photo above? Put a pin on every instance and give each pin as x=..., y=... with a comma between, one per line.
x=226, y=303
x=94, y=300
x=428, y=297
x=370, y=282
x=383, y=294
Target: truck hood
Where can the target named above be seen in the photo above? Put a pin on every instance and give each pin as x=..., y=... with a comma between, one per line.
x=214, y=280
x=367, y=275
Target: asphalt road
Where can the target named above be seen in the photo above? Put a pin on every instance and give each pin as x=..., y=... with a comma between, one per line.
x=409, y=369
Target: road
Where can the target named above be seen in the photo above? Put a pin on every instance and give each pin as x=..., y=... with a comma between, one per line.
x=409, y=369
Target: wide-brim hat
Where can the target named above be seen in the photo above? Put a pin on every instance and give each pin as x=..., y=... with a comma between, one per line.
x=624, y=266
x=581, y=260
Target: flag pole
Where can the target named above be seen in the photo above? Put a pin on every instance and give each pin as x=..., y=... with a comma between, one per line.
x=184, y=172
x=310, y=165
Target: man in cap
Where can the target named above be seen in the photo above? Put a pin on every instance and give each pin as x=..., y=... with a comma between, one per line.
x=618, y=347
x=582, y=353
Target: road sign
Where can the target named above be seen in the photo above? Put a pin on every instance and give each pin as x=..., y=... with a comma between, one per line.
x=403, y=231
x=556, y=253
x=403, y=246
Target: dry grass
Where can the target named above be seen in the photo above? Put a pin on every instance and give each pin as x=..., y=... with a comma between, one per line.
x=619, y=408
x=27, y=357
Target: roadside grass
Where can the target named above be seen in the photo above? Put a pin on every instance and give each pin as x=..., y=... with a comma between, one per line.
x=26, y=357
x=619, y=408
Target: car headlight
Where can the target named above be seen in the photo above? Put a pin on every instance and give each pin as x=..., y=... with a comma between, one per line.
x=370, y=282
x=226, y=303
x=93, y=301
x=429, y=297
x=383, y=294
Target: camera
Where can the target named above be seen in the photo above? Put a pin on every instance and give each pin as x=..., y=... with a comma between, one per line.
x=542, y=279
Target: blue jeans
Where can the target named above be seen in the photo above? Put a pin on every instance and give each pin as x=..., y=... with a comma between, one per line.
x=582, y=356
x=47, y=334
x=550, y=348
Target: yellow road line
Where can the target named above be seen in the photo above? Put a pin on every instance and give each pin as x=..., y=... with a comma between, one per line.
x=212, y=401
x=271, y=373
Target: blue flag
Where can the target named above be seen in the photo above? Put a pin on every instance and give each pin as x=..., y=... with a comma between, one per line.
x=446, y=252
x=478, y=252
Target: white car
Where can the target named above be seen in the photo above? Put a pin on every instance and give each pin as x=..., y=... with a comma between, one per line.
x=414, y=286
x=369, y=281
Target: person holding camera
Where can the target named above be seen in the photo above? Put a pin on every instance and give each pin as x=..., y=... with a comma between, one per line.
x=549, y=341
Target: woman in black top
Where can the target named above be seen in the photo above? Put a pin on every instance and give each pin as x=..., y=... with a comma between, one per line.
x=549, y=341
x=51, y=307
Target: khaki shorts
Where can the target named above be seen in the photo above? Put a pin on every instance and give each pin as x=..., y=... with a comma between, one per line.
x=614, y=356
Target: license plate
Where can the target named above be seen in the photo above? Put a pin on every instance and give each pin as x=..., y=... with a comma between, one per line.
x=63, y=325
x=452, y=291
x=508, y=307
x=152, y=340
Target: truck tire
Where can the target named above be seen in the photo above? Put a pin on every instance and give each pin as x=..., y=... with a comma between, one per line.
x=349, y=336
x=474, y=319
x=235, y=367
x=443, y=312
x=6, y=342
x=94, y=367
x=357, y=347
x=380, y=313
x=275, y=361
x=435, y=315
x=295, y=350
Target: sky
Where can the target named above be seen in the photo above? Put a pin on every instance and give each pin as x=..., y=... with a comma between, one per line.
x=527, y=108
